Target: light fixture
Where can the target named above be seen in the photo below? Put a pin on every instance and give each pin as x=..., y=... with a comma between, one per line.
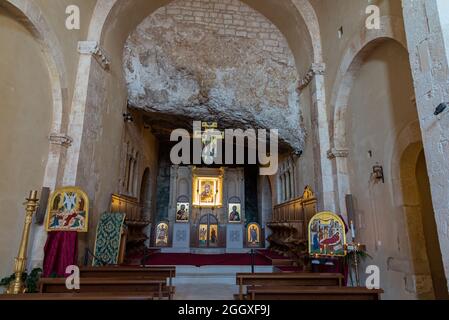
x=441, y=107
x=297, y=153
x=378, y=173
x=127, y=117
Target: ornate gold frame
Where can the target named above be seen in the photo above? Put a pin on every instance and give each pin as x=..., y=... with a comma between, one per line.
x=218, y=184
x=63, y=190
x=309, y=236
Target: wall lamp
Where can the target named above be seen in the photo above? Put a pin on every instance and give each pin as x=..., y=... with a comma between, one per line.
x=378, y=173
x=127, y=117
x=441, y=107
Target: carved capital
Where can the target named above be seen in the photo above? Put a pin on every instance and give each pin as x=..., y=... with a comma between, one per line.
x=315, y=69
x=337, y=153
x=60, y=139
x=93, y=48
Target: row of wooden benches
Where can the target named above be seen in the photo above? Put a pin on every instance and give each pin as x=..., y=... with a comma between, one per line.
x=299, y=286
x=156, y=282
x=109, y=283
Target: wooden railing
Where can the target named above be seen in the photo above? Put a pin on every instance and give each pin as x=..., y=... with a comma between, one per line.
x=290, y=222
x=289, y=211
x=128, y=205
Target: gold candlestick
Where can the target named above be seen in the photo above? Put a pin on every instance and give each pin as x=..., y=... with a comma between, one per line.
x=17, y=285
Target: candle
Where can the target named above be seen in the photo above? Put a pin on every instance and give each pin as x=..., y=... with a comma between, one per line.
x=352, y=230
x=33, y=195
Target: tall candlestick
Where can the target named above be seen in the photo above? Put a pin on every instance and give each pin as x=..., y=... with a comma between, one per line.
x=17, y=286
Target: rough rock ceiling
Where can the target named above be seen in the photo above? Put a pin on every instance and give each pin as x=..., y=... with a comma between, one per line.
x=210, y=63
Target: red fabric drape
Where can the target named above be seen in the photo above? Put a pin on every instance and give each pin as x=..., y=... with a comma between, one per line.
x=61, y=250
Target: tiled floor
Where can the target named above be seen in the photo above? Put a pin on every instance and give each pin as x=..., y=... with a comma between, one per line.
x=209, y=282
x=211, y=291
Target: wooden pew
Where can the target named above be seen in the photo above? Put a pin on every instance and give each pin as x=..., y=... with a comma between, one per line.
x=101, y=285
x=287, y=279
x=312, y=293
x=130, y=272
x=106, y=296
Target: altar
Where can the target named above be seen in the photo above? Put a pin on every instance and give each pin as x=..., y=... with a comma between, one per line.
x=206, y=212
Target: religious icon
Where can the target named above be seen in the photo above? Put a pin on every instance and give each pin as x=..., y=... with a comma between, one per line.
x=210, y=145
x=213, y=235
x=68, y=210
x=253, y=235
x=207, y=191
x=182, y=212
x=327, y=236
x=234, y=213
x=203, y=234
x=308, y=193
x=162, y=234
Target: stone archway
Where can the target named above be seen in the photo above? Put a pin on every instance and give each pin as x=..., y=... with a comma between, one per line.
x=100, y=91
x=29, y=14
x=427, y=276
x=110, y=27
x=423, y=268
x=31, y=17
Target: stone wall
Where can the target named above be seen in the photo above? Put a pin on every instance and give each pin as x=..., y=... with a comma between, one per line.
x=25, y=124
x=214, y=60
x=430, y=67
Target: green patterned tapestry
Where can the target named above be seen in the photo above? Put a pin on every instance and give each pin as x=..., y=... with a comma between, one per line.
x=107, y=242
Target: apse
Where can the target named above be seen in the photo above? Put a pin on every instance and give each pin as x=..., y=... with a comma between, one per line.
x=210, y=61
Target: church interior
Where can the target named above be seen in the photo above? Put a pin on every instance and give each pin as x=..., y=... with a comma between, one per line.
x=224, y=149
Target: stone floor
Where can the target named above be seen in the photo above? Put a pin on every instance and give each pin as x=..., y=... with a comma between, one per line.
x=209, y=282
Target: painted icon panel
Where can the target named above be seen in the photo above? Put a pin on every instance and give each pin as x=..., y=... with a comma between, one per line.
x=203, y=235
x=213, y=235
x=182, y=212
x=253, y=235
x=327, y=235
x=68, y=210
x=234, y=212
x=162, y=234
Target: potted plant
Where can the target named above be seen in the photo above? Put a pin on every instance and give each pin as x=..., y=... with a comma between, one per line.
x=31, y=280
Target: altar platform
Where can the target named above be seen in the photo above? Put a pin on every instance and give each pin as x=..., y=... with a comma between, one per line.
x=199, y=260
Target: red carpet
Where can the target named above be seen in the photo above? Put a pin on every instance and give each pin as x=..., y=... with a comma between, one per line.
x=270, y=254
x=234, y=259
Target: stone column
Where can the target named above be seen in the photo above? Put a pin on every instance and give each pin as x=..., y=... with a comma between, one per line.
x=89, y=51
x=340, y=156
x=325, y=178
x=427, y=27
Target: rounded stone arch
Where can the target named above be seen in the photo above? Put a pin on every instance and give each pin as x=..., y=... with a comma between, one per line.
x=405, y=152
x=359, y=47
x=29, y=14
x=106, y=12
x=405, y=159
x=311, y=20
